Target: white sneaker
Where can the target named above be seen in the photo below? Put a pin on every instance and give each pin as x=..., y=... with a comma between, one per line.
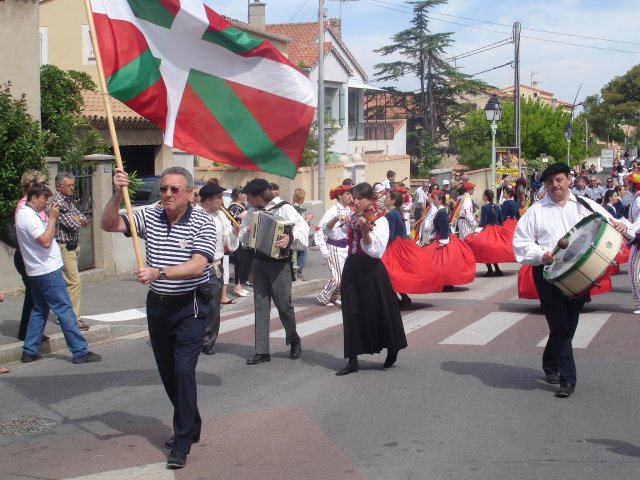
x=338, y=302
x=327, y=304
x=637, y=312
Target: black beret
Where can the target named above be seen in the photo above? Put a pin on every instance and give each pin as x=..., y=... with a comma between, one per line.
x=209, y=190
x=256, y=185
x=553, y=169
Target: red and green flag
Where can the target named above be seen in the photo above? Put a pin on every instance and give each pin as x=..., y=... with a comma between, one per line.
x=214, y=90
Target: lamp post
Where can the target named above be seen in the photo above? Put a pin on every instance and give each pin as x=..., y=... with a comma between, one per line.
x=493, y=112
x=568, y=131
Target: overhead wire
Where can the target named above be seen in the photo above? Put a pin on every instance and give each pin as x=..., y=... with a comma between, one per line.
x=587, y=37
x=386, y=5
x=494, y=68
x=298, y=11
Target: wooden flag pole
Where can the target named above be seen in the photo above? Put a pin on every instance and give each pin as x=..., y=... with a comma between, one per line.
x=112, y=130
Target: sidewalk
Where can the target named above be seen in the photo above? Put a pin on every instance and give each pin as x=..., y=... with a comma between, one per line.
x=116, y=307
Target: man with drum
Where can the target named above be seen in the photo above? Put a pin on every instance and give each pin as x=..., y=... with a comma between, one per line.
x=536, y=235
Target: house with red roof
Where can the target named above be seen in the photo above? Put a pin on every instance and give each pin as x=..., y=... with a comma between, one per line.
x=345, y=84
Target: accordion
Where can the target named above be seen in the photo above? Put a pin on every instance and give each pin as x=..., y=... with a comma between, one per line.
x=266, y=229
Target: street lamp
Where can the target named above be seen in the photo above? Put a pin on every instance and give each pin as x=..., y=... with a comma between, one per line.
x=493, y=111
x=568, y=131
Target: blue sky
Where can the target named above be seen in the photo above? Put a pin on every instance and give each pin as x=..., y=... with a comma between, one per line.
x=557, y=67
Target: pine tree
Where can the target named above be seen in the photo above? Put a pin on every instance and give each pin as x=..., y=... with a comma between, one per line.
x=434, y=106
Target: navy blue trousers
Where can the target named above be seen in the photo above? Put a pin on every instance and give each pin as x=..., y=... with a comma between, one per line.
x=562, y=314
x=176, y=331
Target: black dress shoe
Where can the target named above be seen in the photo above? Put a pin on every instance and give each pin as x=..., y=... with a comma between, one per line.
x=45, y=338
x=208, y=350
x=26, y=358
x=404, y=302
x=498, y=273
x=348, y=368
x=171, y=443
x=488, y=274
x=176, y=460
x=296, y=350
x=391, y=359
x=259, y=358
x=565, y=390
x=552, y=377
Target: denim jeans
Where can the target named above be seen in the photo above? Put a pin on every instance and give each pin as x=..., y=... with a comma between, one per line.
x=49, y=291
x=302, y=259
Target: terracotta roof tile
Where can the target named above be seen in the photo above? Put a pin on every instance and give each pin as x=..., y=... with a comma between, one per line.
x=303, y=48
x=95, y=112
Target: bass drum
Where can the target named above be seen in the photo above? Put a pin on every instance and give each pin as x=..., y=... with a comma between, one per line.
x=592, y=249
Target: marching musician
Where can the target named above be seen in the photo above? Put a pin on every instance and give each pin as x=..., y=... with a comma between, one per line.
x=272, y=277
x=370, y=310
x=336, y=245
x=536, y=235
x=211, y=201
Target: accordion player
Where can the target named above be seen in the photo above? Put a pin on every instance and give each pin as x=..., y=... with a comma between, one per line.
x=267, y=228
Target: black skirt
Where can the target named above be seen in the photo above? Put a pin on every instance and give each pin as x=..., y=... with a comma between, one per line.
x=370, y=312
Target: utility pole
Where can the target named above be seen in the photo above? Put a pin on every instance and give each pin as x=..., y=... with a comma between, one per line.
x=516, y=84
x=321, y=101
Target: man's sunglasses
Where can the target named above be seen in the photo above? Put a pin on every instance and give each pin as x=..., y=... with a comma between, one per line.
x=165, y=189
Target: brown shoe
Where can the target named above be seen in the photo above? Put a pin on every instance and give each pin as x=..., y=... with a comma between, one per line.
x=83, y=326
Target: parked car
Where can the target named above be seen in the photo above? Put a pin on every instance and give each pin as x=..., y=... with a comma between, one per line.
x=143, y=194
x=149, y=193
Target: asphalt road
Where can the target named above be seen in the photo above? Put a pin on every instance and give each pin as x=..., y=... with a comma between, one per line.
x=467, y=400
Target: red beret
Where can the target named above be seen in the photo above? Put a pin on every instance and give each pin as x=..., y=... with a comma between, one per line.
x=339, y=190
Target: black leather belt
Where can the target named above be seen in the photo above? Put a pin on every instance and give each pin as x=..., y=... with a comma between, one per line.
x=164, y=298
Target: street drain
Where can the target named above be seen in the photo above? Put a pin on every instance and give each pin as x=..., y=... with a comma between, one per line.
x=19, y=426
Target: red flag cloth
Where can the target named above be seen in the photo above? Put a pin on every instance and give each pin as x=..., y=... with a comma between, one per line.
x=214, y=90
x=411, y=269
x=454, y=262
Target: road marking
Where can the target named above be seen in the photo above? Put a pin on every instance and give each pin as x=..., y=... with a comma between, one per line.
x=480, y=289
x=313, y=326
x=588, y=327
x=121, y=316
x=484, y=330
x=411, y=321
x=415, y=320
x=154, y=471
x=249, y=319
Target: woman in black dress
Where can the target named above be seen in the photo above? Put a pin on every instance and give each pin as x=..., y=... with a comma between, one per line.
x=370, y=312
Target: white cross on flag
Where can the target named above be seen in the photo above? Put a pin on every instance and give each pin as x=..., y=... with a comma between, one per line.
x=214, y=90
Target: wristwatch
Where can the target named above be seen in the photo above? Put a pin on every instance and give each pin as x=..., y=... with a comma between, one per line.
x=162, y=275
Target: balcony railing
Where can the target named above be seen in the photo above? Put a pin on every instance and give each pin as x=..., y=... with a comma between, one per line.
x=371, y=131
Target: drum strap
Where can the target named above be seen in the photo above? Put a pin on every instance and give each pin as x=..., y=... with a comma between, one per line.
x=585, y=204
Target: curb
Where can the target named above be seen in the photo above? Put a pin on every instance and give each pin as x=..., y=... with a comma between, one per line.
x=12, y=352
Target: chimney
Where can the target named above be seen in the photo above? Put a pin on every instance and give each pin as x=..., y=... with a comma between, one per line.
x=257, y=14
x=336, y=26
